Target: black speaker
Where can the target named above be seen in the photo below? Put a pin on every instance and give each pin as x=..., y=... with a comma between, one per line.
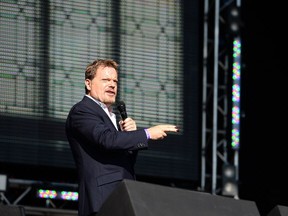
x=133, y=198
x=279, y=210
x=11, y=210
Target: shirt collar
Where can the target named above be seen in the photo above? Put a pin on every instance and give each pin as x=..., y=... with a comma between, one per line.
x=104, y=106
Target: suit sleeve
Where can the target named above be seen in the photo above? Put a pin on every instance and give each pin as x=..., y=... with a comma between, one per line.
x=94, y=128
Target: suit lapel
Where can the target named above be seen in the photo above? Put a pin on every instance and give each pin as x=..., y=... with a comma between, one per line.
x=97, y=108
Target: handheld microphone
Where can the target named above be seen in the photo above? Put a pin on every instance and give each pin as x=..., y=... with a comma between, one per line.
x=122, y=109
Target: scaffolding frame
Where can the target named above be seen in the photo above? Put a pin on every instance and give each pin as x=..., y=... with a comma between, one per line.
x=214, y=149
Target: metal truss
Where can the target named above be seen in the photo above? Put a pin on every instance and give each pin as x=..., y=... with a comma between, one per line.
x=23, y=193
x=215, y=111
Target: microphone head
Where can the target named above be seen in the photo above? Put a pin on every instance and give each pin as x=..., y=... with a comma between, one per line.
x=122, y=109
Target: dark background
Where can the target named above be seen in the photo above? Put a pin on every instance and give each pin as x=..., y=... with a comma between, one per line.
x=263, y=154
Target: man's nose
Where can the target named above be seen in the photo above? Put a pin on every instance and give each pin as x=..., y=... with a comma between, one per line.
x=112, y=83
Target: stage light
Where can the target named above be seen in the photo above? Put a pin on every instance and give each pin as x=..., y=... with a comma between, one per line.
x=234, y=20
x=69, y=195
x=236, y=94
x=57, y=194
x=47, y=194
x=229, y=183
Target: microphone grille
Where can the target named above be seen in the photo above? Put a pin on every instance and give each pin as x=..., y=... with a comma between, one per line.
x=121, y=106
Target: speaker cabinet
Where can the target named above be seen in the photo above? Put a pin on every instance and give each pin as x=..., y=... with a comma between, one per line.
x=11, y=210
x=279, y=210
x=133, y=198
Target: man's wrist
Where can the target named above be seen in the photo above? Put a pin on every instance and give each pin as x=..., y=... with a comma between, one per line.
x=147, y=133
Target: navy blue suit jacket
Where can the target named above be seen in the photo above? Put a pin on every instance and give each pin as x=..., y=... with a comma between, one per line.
x=103, y=155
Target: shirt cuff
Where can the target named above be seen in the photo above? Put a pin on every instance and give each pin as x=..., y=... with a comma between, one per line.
x=147, y=133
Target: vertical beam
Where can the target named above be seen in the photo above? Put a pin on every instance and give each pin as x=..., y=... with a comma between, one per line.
x=204, y=94
x=215, y=98
x=214, y=151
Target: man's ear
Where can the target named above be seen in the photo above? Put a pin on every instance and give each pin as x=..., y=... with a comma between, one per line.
x=88, y=84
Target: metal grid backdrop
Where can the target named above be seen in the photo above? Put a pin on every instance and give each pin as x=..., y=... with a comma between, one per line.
x=45, y=47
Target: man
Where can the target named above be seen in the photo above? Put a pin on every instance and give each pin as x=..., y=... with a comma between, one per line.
x=104, y=155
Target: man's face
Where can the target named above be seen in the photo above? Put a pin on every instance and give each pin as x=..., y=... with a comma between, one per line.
x=104, y=85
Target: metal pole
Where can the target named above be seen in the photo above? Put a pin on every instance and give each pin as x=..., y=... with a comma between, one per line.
x=215, y=96
x=204, y=95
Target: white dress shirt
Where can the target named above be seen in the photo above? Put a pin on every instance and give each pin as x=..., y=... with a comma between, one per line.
x=108, y=111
